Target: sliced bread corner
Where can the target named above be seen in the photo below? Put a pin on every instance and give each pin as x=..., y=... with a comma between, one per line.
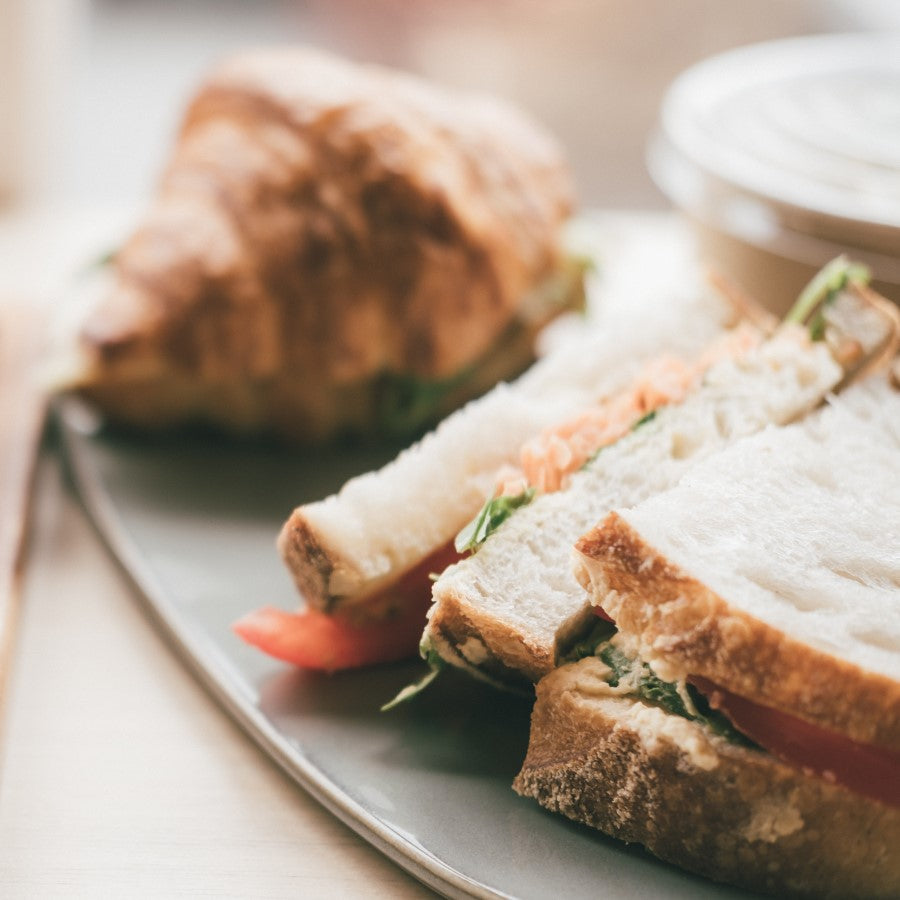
x=773, y=568
x=692, y=798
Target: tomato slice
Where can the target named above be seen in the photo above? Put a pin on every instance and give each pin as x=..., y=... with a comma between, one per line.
x=601, y=613
x=386, y=628
x=315, y=640
x=871, y=771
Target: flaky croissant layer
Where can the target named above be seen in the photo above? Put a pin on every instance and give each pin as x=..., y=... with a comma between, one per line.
x=322, y=230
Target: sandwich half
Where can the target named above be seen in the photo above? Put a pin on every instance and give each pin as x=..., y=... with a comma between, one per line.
x=512, y=609
x=737, y=711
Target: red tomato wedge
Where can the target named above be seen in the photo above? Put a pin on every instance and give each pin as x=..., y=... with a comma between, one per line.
x=315, y=640
x=871, y=771
x=346, y=640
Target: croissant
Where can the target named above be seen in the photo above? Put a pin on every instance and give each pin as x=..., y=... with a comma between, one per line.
x=332, y=248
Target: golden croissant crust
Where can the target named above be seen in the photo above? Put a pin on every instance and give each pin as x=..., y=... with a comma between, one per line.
x=322, y=226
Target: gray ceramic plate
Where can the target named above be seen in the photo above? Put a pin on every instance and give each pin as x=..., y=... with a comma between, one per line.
x=193, y=522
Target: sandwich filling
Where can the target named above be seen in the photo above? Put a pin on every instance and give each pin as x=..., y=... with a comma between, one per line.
x=632, y=677
x=873, y=772
x=548, y=460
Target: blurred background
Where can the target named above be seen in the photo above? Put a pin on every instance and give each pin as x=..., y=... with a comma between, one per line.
x=91, y=91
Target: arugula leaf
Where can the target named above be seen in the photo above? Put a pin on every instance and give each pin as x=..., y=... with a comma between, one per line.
x=435, y=665
x=407, y=404
x=489, y=518
x=601, y=631
x=648, y=686
x=831, y=279
x=107, y=259
x=563, y=289
x=93, y=266
x=644, y=419
x=411, y=690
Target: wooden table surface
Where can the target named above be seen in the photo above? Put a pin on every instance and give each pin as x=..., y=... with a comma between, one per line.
x=120, y=776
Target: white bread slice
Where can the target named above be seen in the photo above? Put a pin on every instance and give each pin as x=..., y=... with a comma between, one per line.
x=343, y=549
x=696, y=800
x=773, y=568
x=515, y=604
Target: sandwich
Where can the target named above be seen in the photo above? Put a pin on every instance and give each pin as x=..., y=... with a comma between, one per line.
x=361, y=559
x=512, y=609
x=736, y=709
x=333, y=249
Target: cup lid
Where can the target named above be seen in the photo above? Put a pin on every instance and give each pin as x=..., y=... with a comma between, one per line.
x=798, y=127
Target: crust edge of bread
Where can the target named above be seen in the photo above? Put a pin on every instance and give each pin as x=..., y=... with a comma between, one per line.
x=322, y=574
x=497, y=652
x=683, y=628
x=742, y=817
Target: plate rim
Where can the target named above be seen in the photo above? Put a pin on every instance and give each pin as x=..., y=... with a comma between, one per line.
x=219, y=682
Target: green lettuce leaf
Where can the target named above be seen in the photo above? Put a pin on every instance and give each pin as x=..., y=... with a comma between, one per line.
x=489, y=518
x=601, y=631
x=407, y=404
x=435, y=666
x=649, y=687
x=831, y=279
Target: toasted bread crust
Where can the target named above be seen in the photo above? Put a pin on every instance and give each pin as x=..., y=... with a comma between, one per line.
x=505, y=655
x=686, y=629
x=309, y=561
x=740, y=816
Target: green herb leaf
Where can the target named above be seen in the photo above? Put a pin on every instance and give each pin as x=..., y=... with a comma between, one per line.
x=831, y=279
x=601, y=631
x=643, y=420
x=435, y=665
x=411, y=690
x=107, y=259
x=563, y=289
x=94, y=266
x=407, y=404
x=649, y=687
x=490, y=517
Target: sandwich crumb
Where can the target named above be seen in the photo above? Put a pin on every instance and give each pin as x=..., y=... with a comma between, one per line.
x=773, y=819
x=474, y=651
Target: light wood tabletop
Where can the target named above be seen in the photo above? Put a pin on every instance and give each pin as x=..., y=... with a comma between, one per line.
x=121, y=777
